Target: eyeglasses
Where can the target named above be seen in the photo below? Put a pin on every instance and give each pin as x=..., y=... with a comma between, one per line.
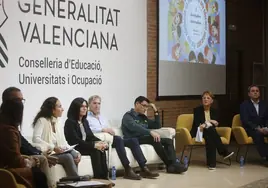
x=19, y=99
x=144, y=105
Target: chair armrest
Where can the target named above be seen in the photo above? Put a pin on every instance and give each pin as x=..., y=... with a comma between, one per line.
x=169, y=131
x=183, y=137
x=8, y=179
x=224, y=132
x=106, y=137
x=240, y=135
x=118, y=131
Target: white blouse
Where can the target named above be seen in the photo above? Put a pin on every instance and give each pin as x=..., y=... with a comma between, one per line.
x=43, y=134
x=82, y=128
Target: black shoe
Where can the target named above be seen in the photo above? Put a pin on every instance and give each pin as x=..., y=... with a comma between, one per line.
x=130, y=174
x=176, y=168
x=146, y=173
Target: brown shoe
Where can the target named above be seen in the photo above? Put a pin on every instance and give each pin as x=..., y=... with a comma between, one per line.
x=130, y=174
x=146, y=173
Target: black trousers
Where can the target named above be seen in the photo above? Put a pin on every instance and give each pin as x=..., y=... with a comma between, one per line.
x=98, y=161
x=213, y=142
x=164, y=149
x=133, y=144
x=39, y=178
x=258, y=139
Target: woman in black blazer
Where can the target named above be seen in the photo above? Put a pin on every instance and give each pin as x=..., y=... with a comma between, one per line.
x=206, y=118
x=77, y=131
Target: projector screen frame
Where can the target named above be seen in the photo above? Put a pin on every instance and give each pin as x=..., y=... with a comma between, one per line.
x=184, y=97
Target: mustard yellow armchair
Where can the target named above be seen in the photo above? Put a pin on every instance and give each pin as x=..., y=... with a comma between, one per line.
x=184, y=138
x=8, y=180
x=241, y=136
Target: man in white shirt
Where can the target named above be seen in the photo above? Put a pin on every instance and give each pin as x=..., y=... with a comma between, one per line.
x=99, y=124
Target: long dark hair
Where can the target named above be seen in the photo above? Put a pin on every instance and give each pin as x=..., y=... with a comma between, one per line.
x=74, y=109
x=46, y=109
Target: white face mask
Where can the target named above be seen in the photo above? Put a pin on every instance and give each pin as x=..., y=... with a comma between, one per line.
x=3, y=15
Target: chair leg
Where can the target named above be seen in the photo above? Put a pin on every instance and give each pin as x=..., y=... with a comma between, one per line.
x=229, y=163
x=108, y=158
x=189, y=160
x=184, y=147
x=237, y=153
x=246, y=154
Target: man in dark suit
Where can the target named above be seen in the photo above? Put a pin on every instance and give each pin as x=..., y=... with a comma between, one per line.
x=253, y=114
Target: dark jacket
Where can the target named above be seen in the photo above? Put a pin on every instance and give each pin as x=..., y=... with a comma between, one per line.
x=137, y=125
x=249, y=117
x=27, y=149
x=199, y=118
x=73, y=136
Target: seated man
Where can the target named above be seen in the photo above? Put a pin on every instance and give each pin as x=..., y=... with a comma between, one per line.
x=135, y=124
x=253, y=114
x=98, y=124
x=43, y=162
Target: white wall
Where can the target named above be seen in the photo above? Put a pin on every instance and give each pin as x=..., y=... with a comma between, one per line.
x=123, y=70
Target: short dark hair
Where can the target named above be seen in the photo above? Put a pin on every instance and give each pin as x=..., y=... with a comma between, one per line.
x=251, y=86
x=192, y=56
x=200, y=57
x=140, y=99
x=6, y=95
x=11, y=110
x=213, y=59
x=74, y=109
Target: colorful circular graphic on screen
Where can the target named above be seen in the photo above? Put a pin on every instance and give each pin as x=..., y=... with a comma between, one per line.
x=195, y=22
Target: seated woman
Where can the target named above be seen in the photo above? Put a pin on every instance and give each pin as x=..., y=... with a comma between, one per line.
x=48, y=133
x=23, y=168
x=206, y=118
x=77, y=131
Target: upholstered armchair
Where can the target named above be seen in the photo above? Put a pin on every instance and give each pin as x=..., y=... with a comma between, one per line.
x=241, y=136
x=184, y=138
x=8, y=180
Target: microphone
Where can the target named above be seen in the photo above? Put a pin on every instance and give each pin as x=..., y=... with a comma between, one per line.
x=76, y=178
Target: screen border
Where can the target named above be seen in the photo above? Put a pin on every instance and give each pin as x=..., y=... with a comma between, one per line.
x=184, y=97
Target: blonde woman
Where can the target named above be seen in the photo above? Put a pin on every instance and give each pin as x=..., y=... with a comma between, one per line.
x=206, y=118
